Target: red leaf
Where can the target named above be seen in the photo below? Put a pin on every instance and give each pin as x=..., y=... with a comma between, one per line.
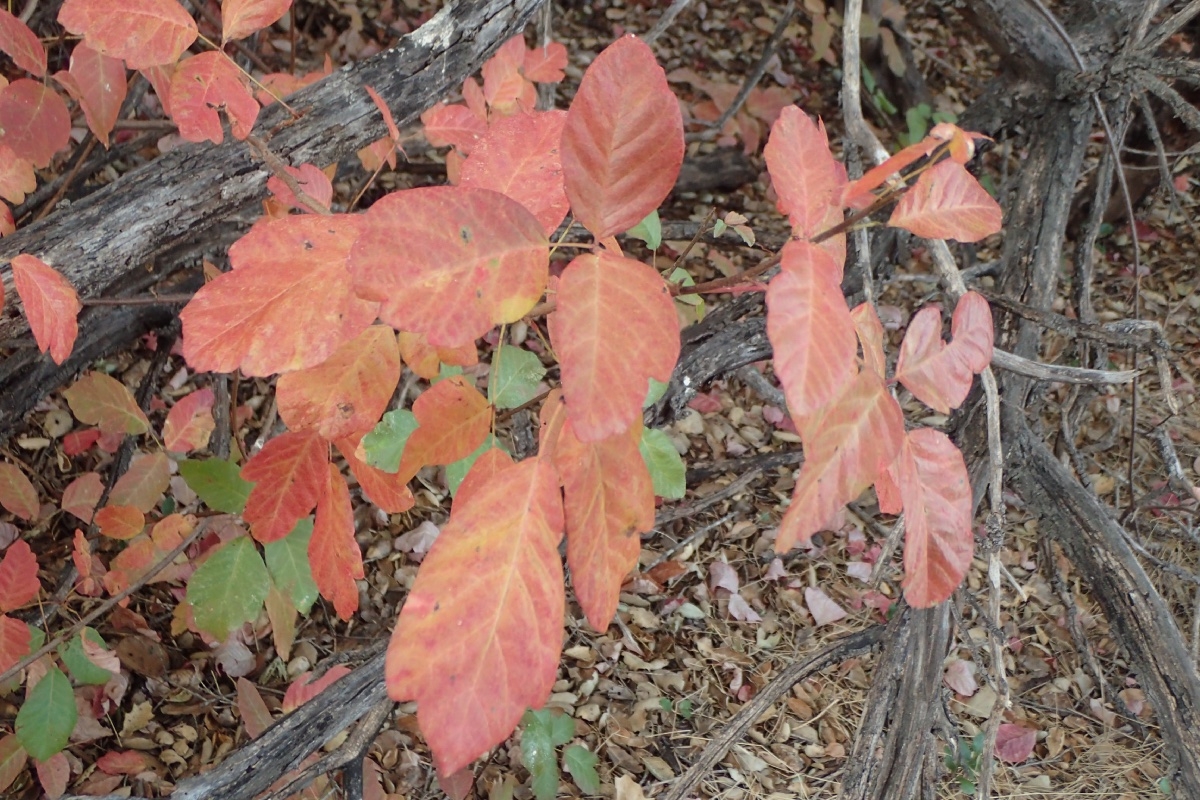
x=1014, y=743
x=387, y=490
x=519, y=157
x=17, y=494
x=948, y=203
x=51, y=305
x=200, y=86
x=146, y=33
x=940, y=374
x=287, y=304
x=810, y=328
x=453, y=419
x=125, y=762
x=82, y=494
x=806, y=178
x=393, y=131
x=333, y=552
x=504, y=87
x=120, y=522
x=615, y=328
x=936, y=491
x=312, y=181
x=35, y=121
x=253, y=711
x=21, y=44
x=240, y=18
x=301, y=690
x=142, y=486
x=76, y=443
x=18, y=576
x=887, y=492
x=348, y=392
x=623, y=140
x=492, y=579
x=846, y=446
x=53, y=775
x=106, y=403
x=97, y=82
x=471, y=259
x=456, y=125
x=545, y=64
x=289, y=476
x=189, y=422
x=15, y=638
x=8, y=225
x=17, y=177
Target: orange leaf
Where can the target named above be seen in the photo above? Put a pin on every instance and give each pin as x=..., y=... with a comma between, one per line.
x=810, y=329
x=887, y=491
x=846, y=446
x=82, y=494
x=189, y=422
x=387, y=490
x=425, y=360
x=455, y=125
x=17, y=494
x=106, y=403
x=940, y=374
x=120, y=522
x=302, y=690
x=97, y=83
x=870, y=337
x=15, y=638
x=289, y=478
x=806, y=178
x=332, y=551
x=17, y=177
x=146, y=33
x=200, y=86
x=51, y=305
x=287, y=304
x=938, y=542
x=519, y=157
x=143, y=552
x=18, y=576
x=504, y=87
x=492, y=579
x=615, y=328
x=21, y=44
x=947, y=203
x=240, y=18
x=35, y=121
x=623, y=140
x=87, y=565
x=859, y=193
x=143, y=484
x=348, y=392
x=453, y=419
x=312, y=181
x=472, y=259
x=544, y=64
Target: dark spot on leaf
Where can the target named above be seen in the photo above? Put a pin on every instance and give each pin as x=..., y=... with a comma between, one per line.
x=437, y=606
x=308, y=245
x=465, y=233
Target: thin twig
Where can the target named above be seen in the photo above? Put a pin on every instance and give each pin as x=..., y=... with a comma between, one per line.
x=760, y=68
x=665, y=20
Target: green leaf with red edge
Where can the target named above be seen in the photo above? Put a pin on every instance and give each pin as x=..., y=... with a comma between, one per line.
x=947, y=203
x=35, y=121
x=810, y=329
x=504, y=87
x=146, y=33
x=332, y=551
x=492, y=578
x=312, y=181
x=806, y=177
x=287, y=304
x=15, y=638
x=17, y=494
x=347, y=392
x=21, y=44
x=253, y=711
x=544, y=64
x=519, y=157
x=870, y=337
x=120, y=522
x=622, y=144
x=200, y=86
x=190, y=422
x=18, y=576
x=97, y=82
x=240, y=18
x=453, y=419
x=51, y=305
x=106, y=403
x=846, y=447
x=81, y=495
x=289, y=477
x=936, y=491
x=453, y=125
x=614, y=329
x=304, y=688
x=12, y=756
x=229, y=588
x=17, y=178
x=143, y=484
x=388, y=490
x=940, y=374
x=472, y=259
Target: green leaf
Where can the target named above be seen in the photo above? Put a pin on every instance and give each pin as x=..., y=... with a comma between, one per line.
x=218, y=483
x=682, y=277
x=446, y=371
x=291, y=572
x=385, y=443
x=654, y=394
x=666, y=467
x=515, y=377
x=543, y=732
x=685, y=709
x=581, y=763
x=81, y=667
x=649, y=230
x=229, y=588
x=48, y=716
x=458, y=470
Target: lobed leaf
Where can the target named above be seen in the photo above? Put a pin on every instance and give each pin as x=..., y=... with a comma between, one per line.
x=17, y=179
x=51, y=305
x=289, y=476
x=201, y=85
x=388, y=490
x=146, y=33
x=333, y=552
x=81, y=495
x=940, y=374
x=504, y=87
x=106, y=403
x=948, y=203
x=545, y=63
x=455, y=125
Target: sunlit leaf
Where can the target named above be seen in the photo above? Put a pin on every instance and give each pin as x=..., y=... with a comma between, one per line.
x=229, y=588
x=289, y=477
x=51, y=305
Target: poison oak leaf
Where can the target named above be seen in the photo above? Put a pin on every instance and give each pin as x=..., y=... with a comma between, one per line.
x=127, y=762
x=614, y=329
x=622, y=144
x=388, y=490
x=347, y=392
x=144, y=551
x=870, y=337
x=17, y=494
x=240, y=18
x=97, y=83
x=846, y=446
x=88, y=566
x=120, y=522
x=948, y=203
x=453, y=125
x=189, y=422
x=425, y=360
x=545, y=63
x=15, y=638
x=51, y=305
x=504, y=87
x=289, y=476
x=312, y=181
x=160, y=80
x=453, y=420
x=471, y=259
x=81, y=495
x=804, y=174
x=491, y=462
x=940, y=374
x=18, y=576
x=35, y=121
x=200, y=86
x=143, y=484
x=936, y=491
x=17, y=177
x=332, y=551
x=106, y=403
x=8, y=226
x=287, y=304
x=810, y=329
x=146, y=33
x=479, y=637
x=304, y=688
x=887, y=492
x=22, y=44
